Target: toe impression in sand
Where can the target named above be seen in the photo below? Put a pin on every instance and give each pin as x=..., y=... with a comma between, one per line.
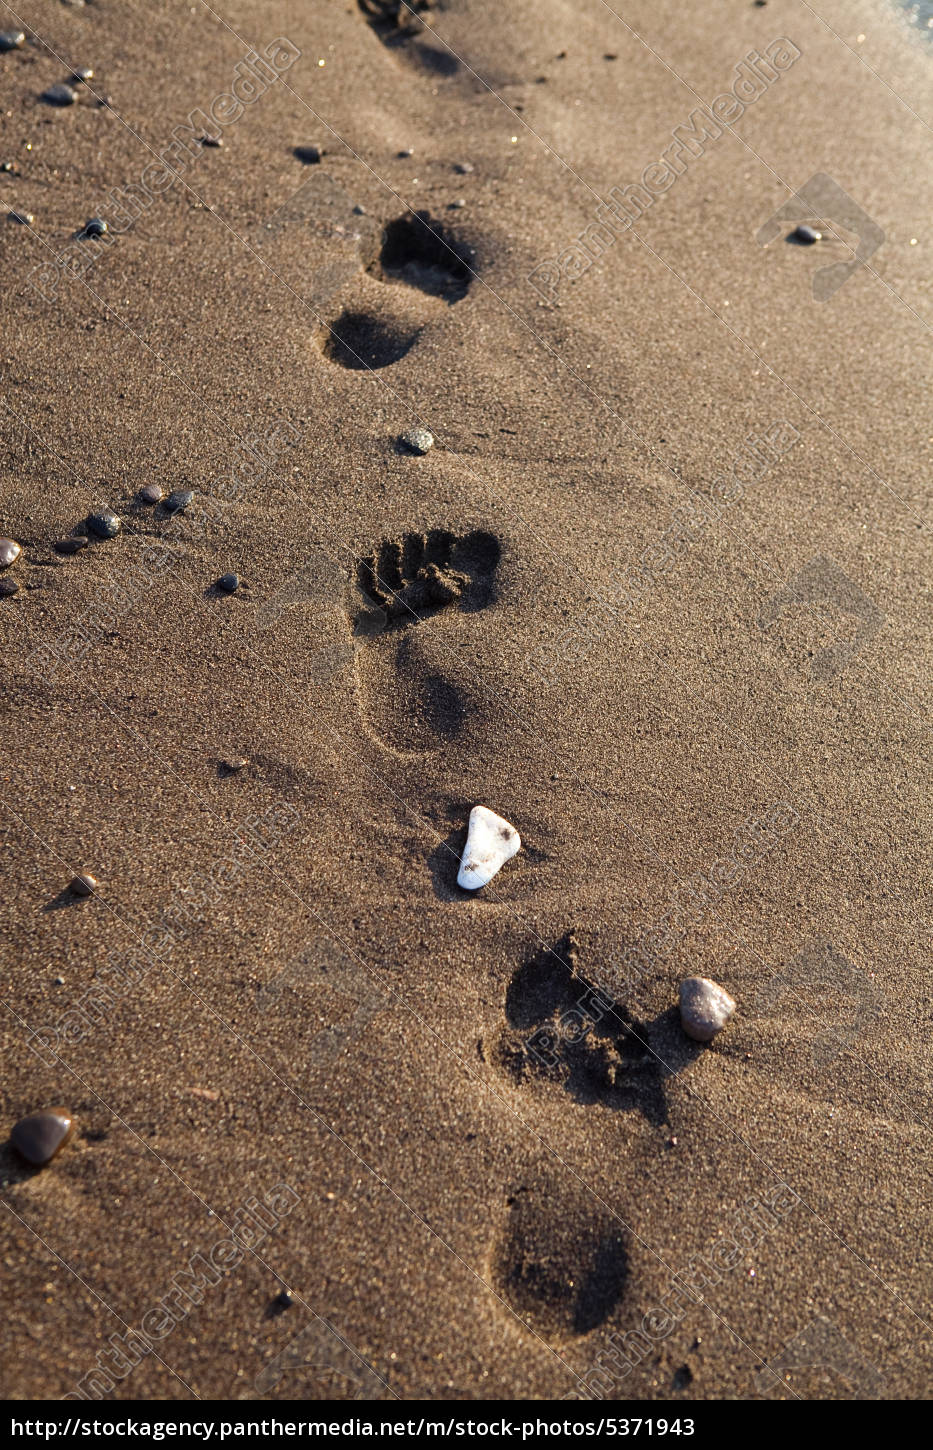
x=705, y=1008
x=490, y=842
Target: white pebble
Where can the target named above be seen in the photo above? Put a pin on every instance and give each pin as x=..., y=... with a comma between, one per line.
x=490, y=842
x=705, y=1008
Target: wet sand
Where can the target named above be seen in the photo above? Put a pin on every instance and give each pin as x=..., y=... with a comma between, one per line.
x=690, y=669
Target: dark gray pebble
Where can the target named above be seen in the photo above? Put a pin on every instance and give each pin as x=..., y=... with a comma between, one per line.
x=73, y=545
x=463, y=167
x=96, y=227
x=10, y=167
x=25, y=218
x=9, y=552
x=83, y=885
x=805, y=236
x=152, y=493
x=310, y=155
x=229, y=583
x=178, y=501
x=11, y=39
x=209, y=139
x=8, y=587
x=60, y=95
x=82, y=73
x=40, y=1136
x=104, y=524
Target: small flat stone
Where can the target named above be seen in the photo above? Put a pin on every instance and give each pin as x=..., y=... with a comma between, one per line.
x=8, y=587
x=417, y=440
x=457, y=205
x=95, y=227
x=234, y=764
x=705, y=1008
x=152, y=493
x=179, y=500
x=310, y=155
x=41, y=1135
x=25, y=218
x=490, y=842
x=9, y=552
x=229, y=583
x=10, y=167
x=805, y=236
x=463, y=168
x=104, y=524
x=11, y=39
x=83, y=885
x=404, y=155
x=74, y=545
x=209, y=139
x=60, y=95
x=82, y=73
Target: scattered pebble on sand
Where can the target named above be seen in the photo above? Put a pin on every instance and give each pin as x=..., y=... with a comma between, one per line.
x=95, y=227
x=283, y=1300
x=11, y=39
x=152, y=493
x=104, y=523
x=8, y=587
x=25, y=218
x=179, y=500
x=403, y=155
x=310, y=155
x=83, y=885
x=60, y=95
x=9, y=552
x=9, y=167
x=83, y=73
x=805, y=236
x=59, y=982
x=229, y=583
x=74, y=545
x=209, y=139
x=463, y=168
x=705, y=1008
x=39, y=1136
x=417, y=440
x=490, y=842
x=234, y=763
x=457, y=205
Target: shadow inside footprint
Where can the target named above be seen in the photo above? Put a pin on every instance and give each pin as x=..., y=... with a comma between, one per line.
x=420, y=252
x=561, y=1267
x=359, y=340
x=417, y=576
x=566, y=1030
x=398, y=25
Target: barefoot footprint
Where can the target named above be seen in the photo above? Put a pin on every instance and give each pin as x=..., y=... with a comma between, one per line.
x=417, y=268
x=406, y=702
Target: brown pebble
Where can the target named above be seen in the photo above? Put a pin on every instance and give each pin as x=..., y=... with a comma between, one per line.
x=8, y=587
x=83, y=885
x=9, y=552
x=236, y=762
x=152, y=493
x=41, y=1135
x=73, y=545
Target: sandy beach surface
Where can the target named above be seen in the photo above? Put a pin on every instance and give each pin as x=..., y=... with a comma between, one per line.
x=658, y=595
